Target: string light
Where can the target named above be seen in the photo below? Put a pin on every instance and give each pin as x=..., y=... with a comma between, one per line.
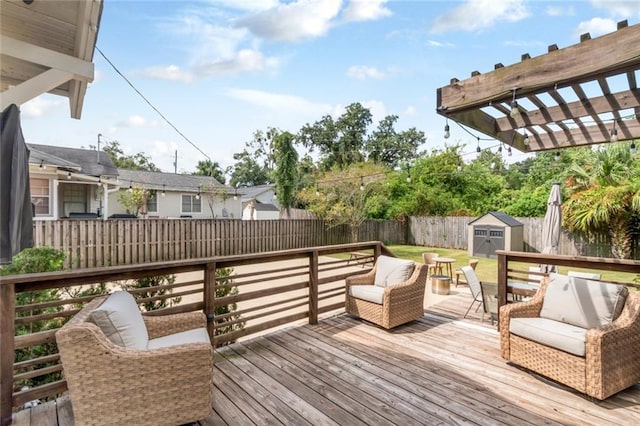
x=130, y=186
x=557, y=158
x=526, y=140
x=446, y=129
x=459, y=166
x=614, y=133
x=42, y=165
x=478, y=150
x=198, y=194
x=361, y=183
x=632, y=148
x=69, y=175
x=515, y=110
x=509, y=153
x=163, y=190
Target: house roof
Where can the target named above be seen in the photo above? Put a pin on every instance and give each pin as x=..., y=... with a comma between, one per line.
x=86, y=159
x=48, y=46
x=39, y=157
x=252, y=192
x=266, y=207
x=567, y=97
x=502, y=217
x=170, y=181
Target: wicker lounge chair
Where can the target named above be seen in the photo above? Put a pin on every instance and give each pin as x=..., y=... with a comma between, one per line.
x=600, y=359
x=117, y=384
x=391, y=294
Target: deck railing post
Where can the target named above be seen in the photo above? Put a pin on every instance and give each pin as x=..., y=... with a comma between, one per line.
x=7, y=343
x=210, y=298
x=503, y=269
x=313, y=288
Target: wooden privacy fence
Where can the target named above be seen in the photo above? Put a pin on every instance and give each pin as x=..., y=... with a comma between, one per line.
x=95, y=243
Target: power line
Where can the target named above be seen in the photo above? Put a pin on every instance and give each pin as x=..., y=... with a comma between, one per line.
x=151, y=105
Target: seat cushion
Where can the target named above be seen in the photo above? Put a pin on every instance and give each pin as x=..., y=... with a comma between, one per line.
x=391, y=270
x=197, y=335
x=581, y=302
x=559, y=335
x=120, y=320
x=371, y=293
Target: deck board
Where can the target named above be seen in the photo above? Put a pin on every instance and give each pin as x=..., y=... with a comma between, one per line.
x=439, y=370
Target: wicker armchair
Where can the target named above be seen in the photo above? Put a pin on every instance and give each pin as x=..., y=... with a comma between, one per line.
x=113, y=385
x=401, y=302
x=610, y=362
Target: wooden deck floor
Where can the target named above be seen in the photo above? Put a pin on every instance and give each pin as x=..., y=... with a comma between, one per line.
x=434, y=371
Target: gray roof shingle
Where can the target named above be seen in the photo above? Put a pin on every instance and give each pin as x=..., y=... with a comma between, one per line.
x=170, y=181
x=86, y=159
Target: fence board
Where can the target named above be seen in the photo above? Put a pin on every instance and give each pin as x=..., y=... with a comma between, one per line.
x=95, y=243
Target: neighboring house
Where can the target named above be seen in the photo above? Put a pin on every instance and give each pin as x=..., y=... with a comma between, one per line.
x=170, y=195
x=260, y=202
x=69, y=182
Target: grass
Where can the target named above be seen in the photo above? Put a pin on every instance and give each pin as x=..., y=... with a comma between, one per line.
x=487, y=269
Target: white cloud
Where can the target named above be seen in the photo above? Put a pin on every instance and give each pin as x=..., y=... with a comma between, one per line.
x=252, y=5
x=560, y=11
x=162, y=148
x=245, y=60
x=365, y=10
x=438, y=44
x=137, y=122
x=40, y=106
x=299, y=20
x=362, y=72
x=278, y=102
x=410, y=111
x=619, y=8
x=171, y=73
x=474, y=15
x=596, y=27
x=377, y=108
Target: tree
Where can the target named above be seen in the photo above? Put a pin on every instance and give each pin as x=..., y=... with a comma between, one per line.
x=285, y=173
x=390, y=148
x=340, y=142
x=254, y=165
x=341, y=195
x=224, y=316
x=134, y=200
x=210, y=168
x=604, y=197
x=137, y=161
x=152, y=284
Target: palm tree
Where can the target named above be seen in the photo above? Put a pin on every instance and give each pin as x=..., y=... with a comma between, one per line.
x=604, y=197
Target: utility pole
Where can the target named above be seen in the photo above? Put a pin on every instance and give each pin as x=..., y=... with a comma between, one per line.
x=98, y=151
x=175, y=163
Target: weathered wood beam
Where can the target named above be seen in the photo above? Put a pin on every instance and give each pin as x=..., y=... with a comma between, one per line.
x=485, y=123
x=587, y=135
x=553, y=115
x=610, y=54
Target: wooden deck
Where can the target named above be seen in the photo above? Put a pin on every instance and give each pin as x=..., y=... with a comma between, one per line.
x=438, y=370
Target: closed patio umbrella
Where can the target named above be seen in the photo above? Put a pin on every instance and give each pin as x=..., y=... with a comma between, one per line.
x=551, y=227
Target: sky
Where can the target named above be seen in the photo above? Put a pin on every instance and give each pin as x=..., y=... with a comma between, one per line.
x=219, y=70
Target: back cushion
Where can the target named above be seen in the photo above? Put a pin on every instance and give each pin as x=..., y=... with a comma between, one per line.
x=391, y=270
x=583, y=303
x=120, y=320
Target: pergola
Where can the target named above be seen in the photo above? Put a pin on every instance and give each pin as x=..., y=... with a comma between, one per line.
x=584, y=94
x=47, y=46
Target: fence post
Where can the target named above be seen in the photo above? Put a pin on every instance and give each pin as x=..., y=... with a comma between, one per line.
x=313, y=288
x=210, y=299
x=7, y=343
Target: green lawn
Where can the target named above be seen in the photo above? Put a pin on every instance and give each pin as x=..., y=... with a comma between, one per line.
x=487, y=269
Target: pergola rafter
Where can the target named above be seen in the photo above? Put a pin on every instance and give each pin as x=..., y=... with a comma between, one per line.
x=483, y=101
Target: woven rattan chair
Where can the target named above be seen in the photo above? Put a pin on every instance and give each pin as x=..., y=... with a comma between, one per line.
x=610, y=362
x=113, y=385
x=401, y=302
x=429, y=259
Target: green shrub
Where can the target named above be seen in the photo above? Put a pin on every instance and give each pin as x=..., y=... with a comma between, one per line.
x=225, y=287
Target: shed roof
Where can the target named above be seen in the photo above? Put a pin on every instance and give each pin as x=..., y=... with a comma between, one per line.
x=266, y=207
x=502, y=217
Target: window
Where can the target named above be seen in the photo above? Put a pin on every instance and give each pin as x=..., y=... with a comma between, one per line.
x=498, y=234
x=190, y=204
x=480, y=232
x=152, y=201
x=40, y=196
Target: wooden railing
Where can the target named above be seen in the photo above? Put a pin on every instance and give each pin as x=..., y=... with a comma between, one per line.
x=511, y=266
x=274, y=288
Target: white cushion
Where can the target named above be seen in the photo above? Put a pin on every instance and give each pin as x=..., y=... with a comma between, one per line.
x=120, y=320
x=583, y=303
x=559, y=335
x=197, y=335
x=587, y=275
x=391, y=270
x=371, y=293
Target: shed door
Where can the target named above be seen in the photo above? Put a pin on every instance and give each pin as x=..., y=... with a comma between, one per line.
x=487, y=239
